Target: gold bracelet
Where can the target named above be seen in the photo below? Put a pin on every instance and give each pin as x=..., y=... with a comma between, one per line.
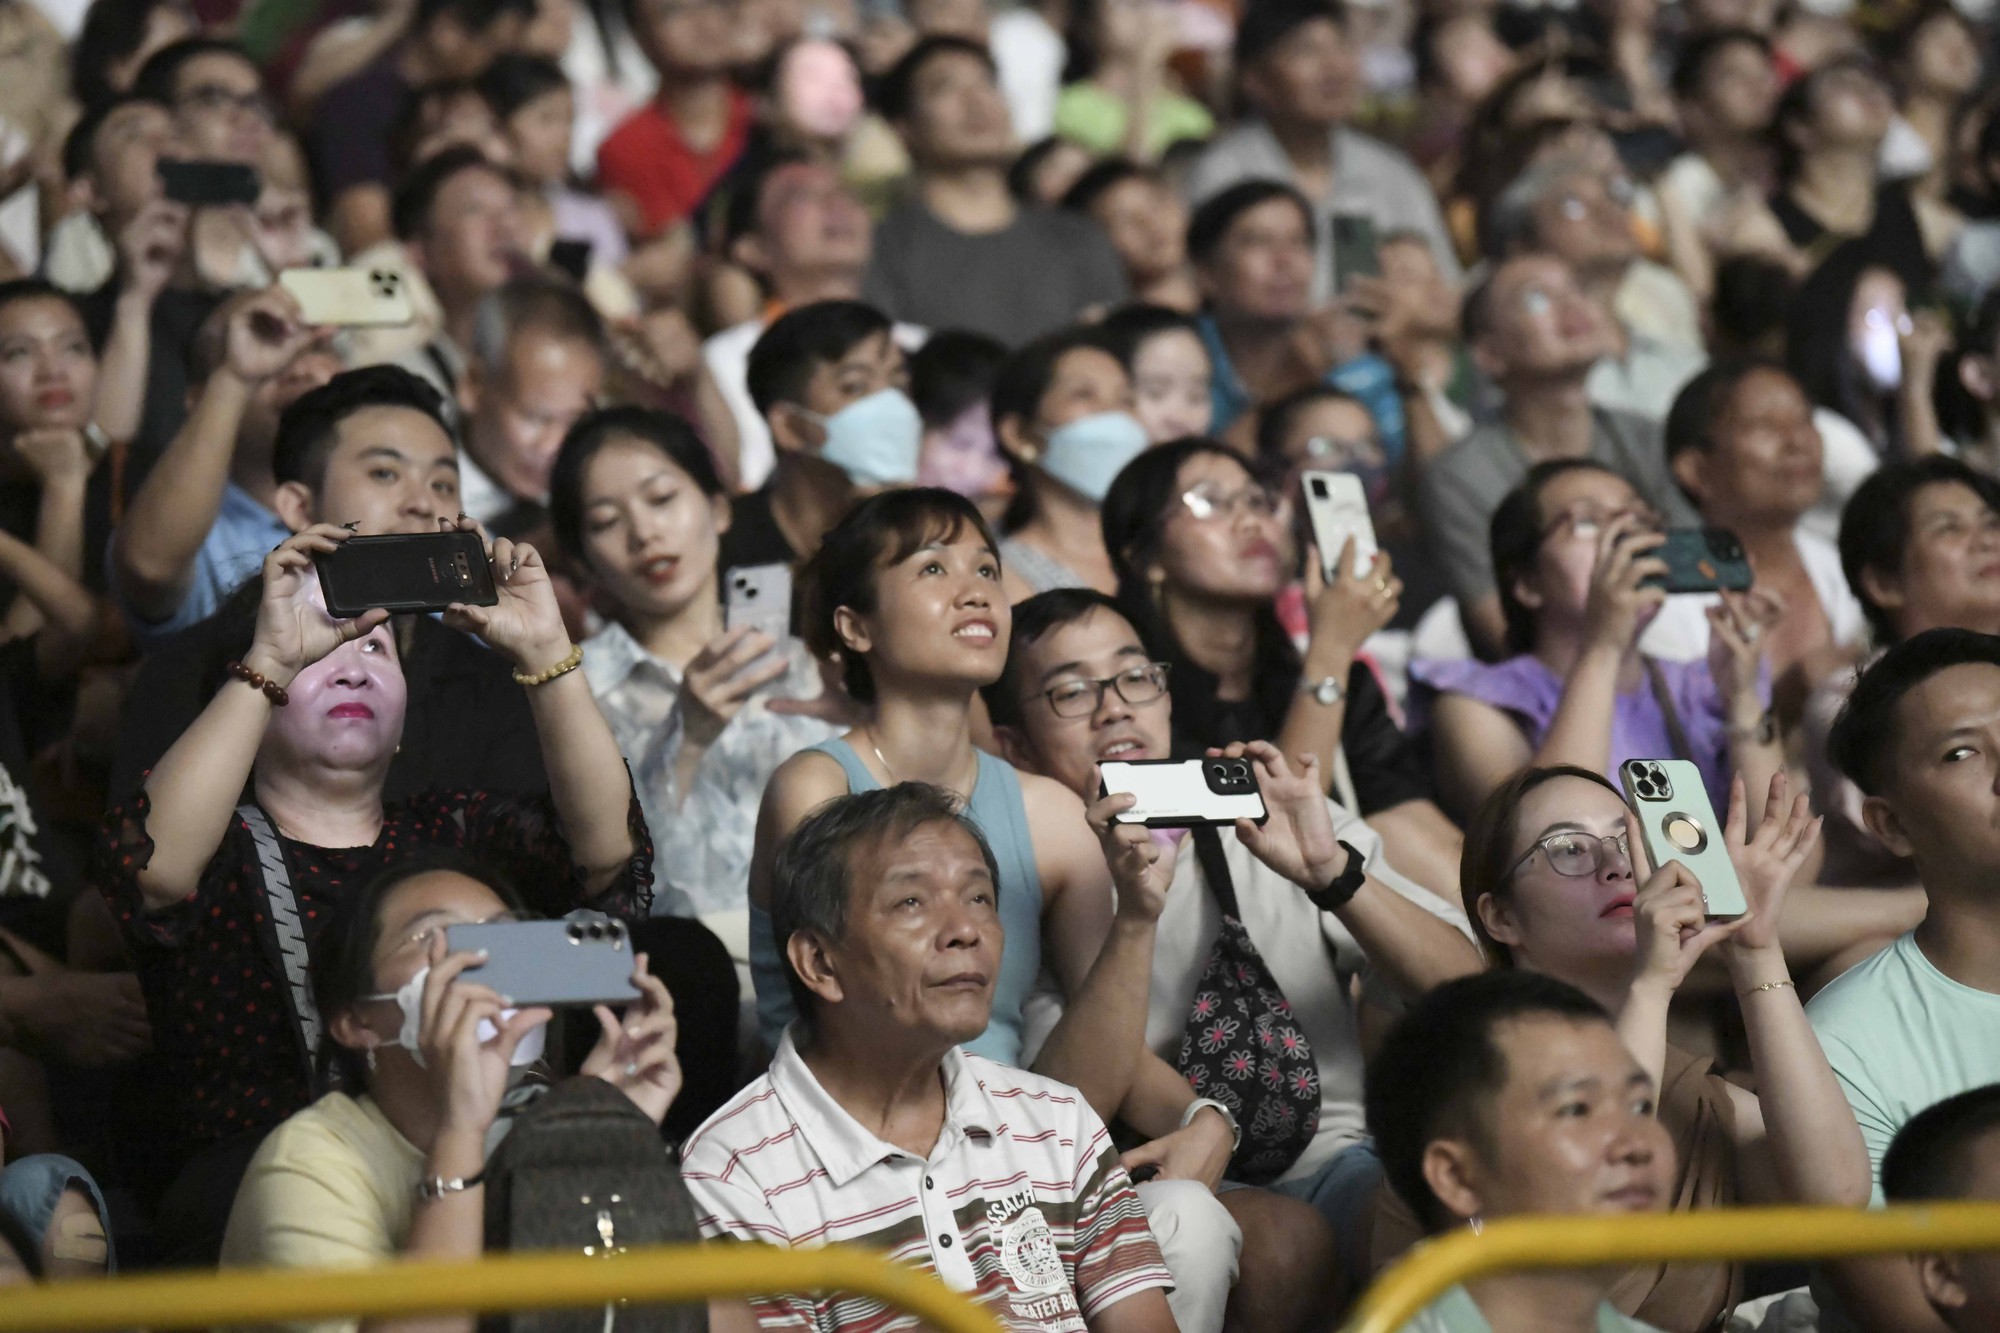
x=562, y=668
x=1769, y=985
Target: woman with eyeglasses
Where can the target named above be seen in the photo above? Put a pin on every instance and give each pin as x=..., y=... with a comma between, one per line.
x=1555, y=881
x=1574, y=550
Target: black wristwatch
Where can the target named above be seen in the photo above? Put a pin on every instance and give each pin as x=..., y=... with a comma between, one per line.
x=1344, y=886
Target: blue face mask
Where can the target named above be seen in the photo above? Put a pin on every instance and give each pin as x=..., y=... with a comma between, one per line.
x=1089, y=452
x=875, y=440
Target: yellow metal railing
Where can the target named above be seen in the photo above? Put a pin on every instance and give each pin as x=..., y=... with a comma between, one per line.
x=1720, y=1234
x=666, y=1275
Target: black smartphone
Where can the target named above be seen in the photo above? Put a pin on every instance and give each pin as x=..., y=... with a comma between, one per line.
x=570, y=256
x=1357, y=252
x=205, y=183
x=555, y=963
x=1702, y=560
x=422, y=571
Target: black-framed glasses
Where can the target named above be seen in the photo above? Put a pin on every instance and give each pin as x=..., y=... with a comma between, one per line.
x=1206, y=502
x=1135, y=685
x=214, y=97
x=1574, y=854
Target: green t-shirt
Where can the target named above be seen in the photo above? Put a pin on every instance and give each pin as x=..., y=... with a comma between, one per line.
x=1456, y=1312
x=1902, y=1036
x=1089, y=115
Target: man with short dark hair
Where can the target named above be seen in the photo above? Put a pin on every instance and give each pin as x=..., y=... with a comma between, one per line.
x=1920, y=1021
x=459, y=217
x=960, y=252
x=873, y=1128
x=1952, y=1152
x=216, y=93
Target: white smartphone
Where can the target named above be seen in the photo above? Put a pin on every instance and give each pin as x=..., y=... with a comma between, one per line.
x=1678, y=824
x=759, y=596
x=350, y=297
x=1337, y=506
x=1181, y=793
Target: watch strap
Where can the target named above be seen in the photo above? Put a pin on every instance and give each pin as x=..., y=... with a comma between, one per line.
x=1199, y=1104
x=1345, y=885
x=436, y=1187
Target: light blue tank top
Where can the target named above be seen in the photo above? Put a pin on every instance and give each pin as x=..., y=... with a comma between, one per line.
x=997, y=809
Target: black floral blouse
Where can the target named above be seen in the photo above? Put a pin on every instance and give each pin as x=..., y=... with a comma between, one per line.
x=220, y=1025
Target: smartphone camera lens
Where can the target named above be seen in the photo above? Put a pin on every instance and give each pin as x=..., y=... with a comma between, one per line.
x=595, y=930
x=1319, y=488
x=575, y=933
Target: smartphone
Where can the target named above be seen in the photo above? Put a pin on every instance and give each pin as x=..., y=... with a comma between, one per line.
x=1357, y=253
x=423, y=571
x=1678, y=824
x=555, y=963
x=204, y=183
x=570, y=256
x=353, y=297
x=1182, y=793
x=1337, y=506
x=1702, y=560
x=759, y=596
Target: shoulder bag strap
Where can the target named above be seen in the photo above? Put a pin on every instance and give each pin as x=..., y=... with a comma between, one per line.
x=1214, y=865
x=1676, y=733
x=284, y=937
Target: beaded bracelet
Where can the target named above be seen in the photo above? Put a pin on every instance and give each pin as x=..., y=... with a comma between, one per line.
x=271, y=689
x=562, y=668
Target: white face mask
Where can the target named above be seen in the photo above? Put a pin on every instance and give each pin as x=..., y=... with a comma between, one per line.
x=410, y=999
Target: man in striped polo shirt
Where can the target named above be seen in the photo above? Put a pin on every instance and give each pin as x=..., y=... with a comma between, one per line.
x=873, y=1128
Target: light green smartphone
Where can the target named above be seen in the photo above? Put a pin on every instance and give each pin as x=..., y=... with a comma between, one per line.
x=1678, y=824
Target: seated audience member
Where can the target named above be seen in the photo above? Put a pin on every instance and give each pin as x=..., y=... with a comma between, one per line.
x=659, y=163
x=1146, y=223
x=202, y=523
x=1725, y=85
x=1080, y=688
x=1553, y=885
x=637, y=505
x=951, y=384
x=1119, y=93
x=1252, y=252
x=1575, y=549
x=1916, y=1023
x=802, y=233
x=831, y=383
x=889, y=904
x=1201, y=557
x=354, y=124
x=53, y=1217
x=532, y=99
x=956, y=252
x=306, y=721
x=538, y=364
x=1295, y=68
x=1977, y=433
x=459, y=219
x=1947, y=1153
x=1167, y=362
x=1062, y=414
x=1532, y=329
x=369, y=448
x=1859, y=352
x=1510, y=1093
x=49, y=383
x=216, y=94
x=391, y=1165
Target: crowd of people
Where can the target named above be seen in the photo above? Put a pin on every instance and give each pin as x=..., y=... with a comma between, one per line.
x=876, y=418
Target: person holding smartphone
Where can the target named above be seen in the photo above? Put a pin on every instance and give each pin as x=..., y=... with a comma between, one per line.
x=275, y=791
x=1556, y=882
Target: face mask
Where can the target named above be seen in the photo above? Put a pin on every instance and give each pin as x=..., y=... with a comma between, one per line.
x=410, y=999
x=875, y=440
x=1880, y=349
x=1088, y=453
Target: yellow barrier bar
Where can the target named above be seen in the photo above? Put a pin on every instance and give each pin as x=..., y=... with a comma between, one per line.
x=1718, y=1234
x=666, y=1274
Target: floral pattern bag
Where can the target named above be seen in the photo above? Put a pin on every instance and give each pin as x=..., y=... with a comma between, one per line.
x=1242, y=1046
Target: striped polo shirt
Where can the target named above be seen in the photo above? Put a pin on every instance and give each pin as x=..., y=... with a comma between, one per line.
x=1021, y=1204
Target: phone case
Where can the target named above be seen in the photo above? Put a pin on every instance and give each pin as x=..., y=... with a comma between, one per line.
x=424, y=571
x=352, y=297
x=759, y=596
x=1702, y=560
x=204, y=183
x=555, y=963
x=1678, y=824
x=1357, y=251
x=1182, y=793
x=1337, y=507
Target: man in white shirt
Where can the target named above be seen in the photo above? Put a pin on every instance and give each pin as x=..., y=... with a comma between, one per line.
x=1080, y=688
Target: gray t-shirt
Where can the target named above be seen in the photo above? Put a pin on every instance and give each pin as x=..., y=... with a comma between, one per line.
x=1037, y=274
x=1469, y=480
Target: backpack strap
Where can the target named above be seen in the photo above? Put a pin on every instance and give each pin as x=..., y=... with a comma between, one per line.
x=1676, y=733
x=1214, y=867
x=284, y=938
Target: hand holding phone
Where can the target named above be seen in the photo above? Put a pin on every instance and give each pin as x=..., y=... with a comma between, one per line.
x=1677, y=823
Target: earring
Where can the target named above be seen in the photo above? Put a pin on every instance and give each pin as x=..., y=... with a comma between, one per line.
x=1473, y=1222
x=368, y=1058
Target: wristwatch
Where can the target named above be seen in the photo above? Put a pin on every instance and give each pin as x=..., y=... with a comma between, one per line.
x=1200, y=1104
x=1345, y=885
x=1763, y=732
x=1327, y=690
x=436, y=1187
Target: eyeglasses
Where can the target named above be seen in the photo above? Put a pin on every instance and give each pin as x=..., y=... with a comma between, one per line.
x=1207, y=502
x=1574, y=854
x=1363, y=447
x=214, y=97
x=1135, y=685
x=1588, y=521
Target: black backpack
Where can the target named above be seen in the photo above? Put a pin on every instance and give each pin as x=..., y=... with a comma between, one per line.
x=584, y=1170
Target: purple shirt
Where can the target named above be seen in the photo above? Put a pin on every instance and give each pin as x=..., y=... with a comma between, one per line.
x=1529, y=692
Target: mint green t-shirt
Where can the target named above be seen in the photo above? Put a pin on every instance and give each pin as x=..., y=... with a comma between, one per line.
x=1097, y=119
x=1457, y=1312
x=1901, y=1037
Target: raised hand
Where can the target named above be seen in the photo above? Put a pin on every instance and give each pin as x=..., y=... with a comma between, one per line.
x=1670, y=923
x=1140, y=871
x=1739, y=626
x=294, y=629
x=1768, y=860
x=1345, y=610
x=721, y=678
x=525, y=625
x=56, y=454
x=266, y=332
x=832, y=705
x=468, y=1076
x=1199, y=1152
x=637, y=1057
x=1619, y=601
x=151, y=246
x=1296, y=839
